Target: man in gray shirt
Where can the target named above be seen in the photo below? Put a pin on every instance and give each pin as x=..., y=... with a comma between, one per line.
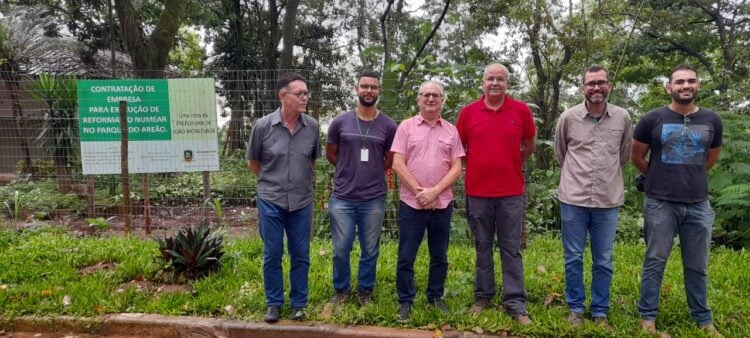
x=592, y=144
x=282, y=151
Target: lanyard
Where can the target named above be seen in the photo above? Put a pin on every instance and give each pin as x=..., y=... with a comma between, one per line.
x=367, y=133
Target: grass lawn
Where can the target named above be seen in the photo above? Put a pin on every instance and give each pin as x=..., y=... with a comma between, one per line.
x=43, y=273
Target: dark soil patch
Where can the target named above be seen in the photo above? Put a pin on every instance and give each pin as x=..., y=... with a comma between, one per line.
x=240, y=221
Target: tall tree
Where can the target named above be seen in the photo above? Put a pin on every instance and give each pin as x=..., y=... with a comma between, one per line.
x=552, y=38
x=150, y=53
x=712, y=34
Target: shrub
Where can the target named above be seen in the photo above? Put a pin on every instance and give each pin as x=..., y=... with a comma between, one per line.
x=194, y=252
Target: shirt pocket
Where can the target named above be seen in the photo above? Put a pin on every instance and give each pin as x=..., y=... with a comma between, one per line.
x=445, y=147
x=306, y=151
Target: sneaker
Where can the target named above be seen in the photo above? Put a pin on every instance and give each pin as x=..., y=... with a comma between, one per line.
x=364, y=297
x=603, y=323
x=649, y=326
x=711, y=331
x=403, y=312
x=575, y=319
x=479, y=305
x=272, y=314
x=298, y=313
x=522, y=319
x=340, y=297
x=438, y=304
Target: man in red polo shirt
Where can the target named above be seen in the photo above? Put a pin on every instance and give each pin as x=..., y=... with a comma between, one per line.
x=498, y=133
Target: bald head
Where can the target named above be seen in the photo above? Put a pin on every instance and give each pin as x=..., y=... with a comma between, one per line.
x=496, y=67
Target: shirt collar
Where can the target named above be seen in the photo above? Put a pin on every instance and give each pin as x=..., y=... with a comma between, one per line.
x=583, y=112
x=484, y=105
x=276, y=118
x=421, y=120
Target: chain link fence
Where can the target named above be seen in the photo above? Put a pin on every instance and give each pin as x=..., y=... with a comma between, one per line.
x=40, y=157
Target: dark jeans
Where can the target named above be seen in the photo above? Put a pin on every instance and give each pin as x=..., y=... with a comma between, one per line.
x=500, y=217
x=412, y=225
x=274, y=222
x=693, y=222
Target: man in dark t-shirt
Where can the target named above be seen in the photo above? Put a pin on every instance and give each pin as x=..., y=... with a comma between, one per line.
x=358, y=145
x=684, y=142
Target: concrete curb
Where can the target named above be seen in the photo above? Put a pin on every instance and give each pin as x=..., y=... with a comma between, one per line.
x=150, y=325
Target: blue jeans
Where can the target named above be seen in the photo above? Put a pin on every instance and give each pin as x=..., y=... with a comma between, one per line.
x=274, y=222
x=600, y=224
x=692, y=222
x=412, y=225
x=365, y=218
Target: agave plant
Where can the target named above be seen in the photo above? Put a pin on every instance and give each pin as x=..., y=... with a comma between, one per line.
x=193, y=252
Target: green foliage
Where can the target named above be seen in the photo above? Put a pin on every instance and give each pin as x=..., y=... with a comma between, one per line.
x=42, y=167
x=59, y=134
x=39, y=197
x=218, y=210
x=14, y=205
x=324, y=173
x=187, y=55
x=730, y=184
x=234, y=181
x=543, y=208
x=100, y=224
x=193, y=252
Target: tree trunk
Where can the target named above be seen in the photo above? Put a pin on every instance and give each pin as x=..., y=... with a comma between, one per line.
x=15, y=97
x=234, y=134
x=289, y=34
x=150, y=55
x=62, y=175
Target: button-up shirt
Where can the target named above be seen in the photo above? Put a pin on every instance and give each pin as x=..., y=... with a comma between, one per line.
x=286, y=160
x=592, y=153
x=428, y=152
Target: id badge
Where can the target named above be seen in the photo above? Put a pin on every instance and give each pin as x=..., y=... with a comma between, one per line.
x=364, y=154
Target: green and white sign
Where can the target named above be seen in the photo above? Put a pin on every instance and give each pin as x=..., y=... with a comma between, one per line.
x=171, y=125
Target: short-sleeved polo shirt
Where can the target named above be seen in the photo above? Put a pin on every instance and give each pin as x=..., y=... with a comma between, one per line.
x=492, y=139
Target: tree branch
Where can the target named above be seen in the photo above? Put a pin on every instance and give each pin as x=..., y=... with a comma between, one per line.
x=414, y=60
x=384, y=34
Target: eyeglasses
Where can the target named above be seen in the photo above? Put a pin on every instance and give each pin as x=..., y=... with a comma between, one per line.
x=431, y=95
x=299, y=95
x=685, y=125
x=369, y=87
x=600, y=84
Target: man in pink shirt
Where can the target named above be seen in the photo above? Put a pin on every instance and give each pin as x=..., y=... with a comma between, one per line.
x=427, y=154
